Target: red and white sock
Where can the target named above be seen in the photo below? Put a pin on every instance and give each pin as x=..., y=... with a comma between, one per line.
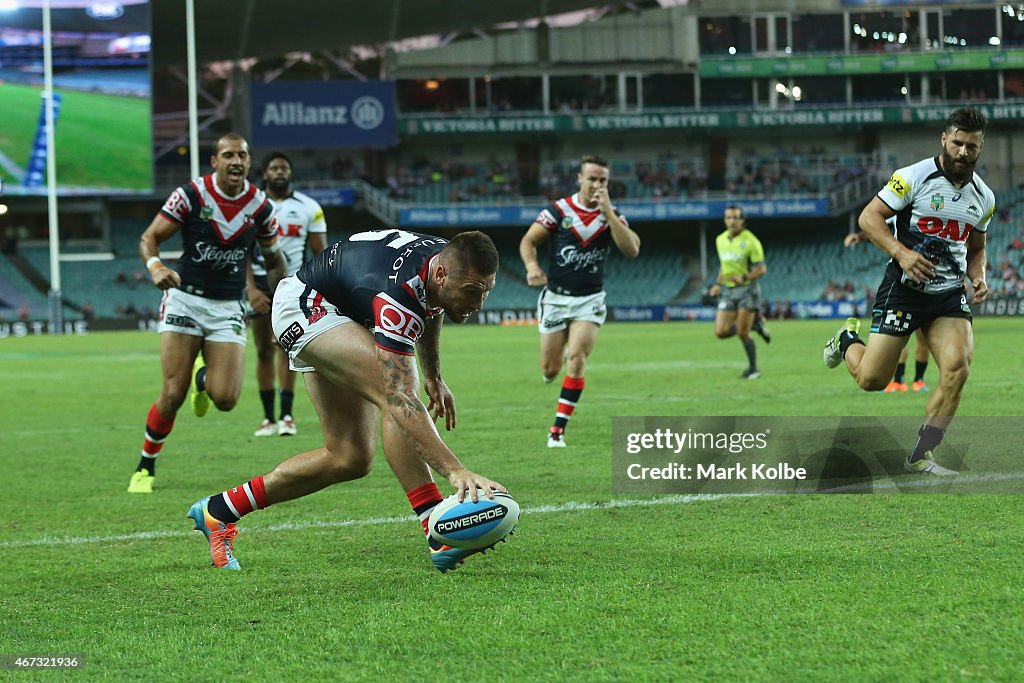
x=572, y=388
x=157, y=429
x=233, y=504
x=423, y=500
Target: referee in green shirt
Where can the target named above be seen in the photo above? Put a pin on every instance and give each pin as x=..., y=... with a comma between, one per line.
x=742, y=259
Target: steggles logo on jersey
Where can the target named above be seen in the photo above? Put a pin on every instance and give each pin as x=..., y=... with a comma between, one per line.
x=571, y=256
x=938, y=201
x=219, y=259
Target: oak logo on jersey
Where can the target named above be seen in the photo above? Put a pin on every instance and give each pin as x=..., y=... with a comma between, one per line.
x=938, y=201
x=950, y=230
x=898, y=185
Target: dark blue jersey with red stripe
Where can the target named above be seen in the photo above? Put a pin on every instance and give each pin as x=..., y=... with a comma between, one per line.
x=580, y=242
x=378, y=278
x=217, y=232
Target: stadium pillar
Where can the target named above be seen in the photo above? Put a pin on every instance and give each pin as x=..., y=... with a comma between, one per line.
x=55, y=311
x=56, y=318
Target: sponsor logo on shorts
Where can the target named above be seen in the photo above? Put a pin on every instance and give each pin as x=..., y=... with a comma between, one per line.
x=179, y=321
x=290, y=336
x=898, y=321
x=316, y=313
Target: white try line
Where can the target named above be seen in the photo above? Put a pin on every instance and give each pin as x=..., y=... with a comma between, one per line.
x=878, y=486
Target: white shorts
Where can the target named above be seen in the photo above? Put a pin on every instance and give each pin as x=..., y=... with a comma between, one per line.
x=555, y=311
x=215, y=320
x=299, y=315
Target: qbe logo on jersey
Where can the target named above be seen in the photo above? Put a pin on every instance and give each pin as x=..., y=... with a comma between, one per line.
x=396, y=321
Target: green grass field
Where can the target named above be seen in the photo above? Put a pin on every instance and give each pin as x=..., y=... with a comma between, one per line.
x=103, y=141
x=593, y=586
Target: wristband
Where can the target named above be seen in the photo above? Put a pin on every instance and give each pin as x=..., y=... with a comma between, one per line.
x=153, y=261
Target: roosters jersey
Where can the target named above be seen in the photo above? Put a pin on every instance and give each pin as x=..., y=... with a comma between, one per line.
x=935, y=217
x=580, y=241
x=298, y=216
x=217, y=232
x=378, y=278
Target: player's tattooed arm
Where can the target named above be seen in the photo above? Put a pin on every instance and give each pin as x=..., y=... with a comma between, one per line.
x=429, y=346
x=403, y=406
x=442, y=402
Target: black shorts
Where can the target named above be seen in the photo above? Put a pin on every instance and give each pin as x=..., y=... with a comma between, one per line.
x=899, y=310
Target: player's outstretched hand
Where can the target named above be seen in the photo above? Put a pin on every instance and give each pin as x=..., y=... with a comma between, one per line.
x=853, y=239
x=466, y=484
x=980, y=290
x=442, y=402
x=165, y=278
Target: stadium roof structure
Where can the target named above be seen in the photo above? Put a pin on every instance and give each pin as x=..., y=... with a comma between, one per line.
x=263, y=28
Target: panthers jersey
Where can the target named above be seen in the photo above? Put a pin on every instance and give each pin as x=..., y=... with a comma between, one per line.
x=378, y=278
x=580, y=242
x=298, y=216
x=217, y=232
x=935, y=218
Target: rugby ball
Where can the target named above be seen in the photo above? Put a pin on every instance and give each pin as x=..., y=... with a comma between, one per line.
x=473, y=525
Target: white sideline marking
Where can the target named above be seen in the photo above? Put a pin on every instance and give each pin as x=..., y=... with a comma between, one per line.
x=540, y=509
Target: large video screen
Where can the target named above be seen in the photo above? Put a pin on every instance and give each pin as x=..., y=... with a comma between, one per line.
x=101, y=75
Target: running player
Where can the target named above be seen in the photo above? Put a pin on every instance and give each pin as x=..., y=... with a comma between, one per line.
x=220, y=216
x=351, y=320
x=920, y=346
x=300, y=220
x=742, y=264
x=943, y=209
x=571, y=306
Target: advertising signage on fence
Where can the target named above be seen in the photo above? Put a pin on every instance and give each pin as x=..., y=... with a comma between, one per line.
x=475, y=215
x=758, y=118
x=324, y=114
x=859, y=64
